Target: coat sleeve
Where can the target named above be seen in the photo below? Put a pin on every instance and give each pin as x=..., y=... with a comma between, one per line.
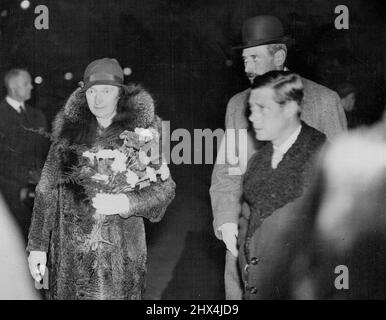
x=323, y=110
x=45, y=205
x=333, y=118
x=151, y=202
x=226, y=189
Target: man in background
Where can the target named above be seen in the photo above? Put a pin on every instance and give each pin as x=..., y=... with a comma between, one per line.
x=347, y=94
x=22, y=150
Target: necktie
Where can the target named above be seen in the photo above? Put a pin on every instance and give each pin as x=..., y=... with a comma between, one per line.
x=277, y=156
x=23, y=115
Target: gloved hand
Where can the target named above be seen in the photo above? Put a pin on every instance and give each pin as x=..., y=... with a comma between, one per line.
x=110, y=204
x=230, y=232
x=37, y=261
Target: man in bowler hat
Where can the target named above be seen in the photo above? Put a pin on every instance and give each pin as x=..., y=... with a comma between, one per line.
x=264, y=49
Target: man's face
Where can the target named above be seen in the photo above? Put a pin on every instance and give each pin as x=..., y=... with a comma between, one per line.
x=102, y=100
x=21, y=86
x=257, y=61
x=269, y=119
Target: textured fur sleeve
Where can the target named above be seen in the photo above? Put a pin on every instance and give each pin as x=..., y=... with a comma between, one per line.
x=151, y=202
x=45, y=205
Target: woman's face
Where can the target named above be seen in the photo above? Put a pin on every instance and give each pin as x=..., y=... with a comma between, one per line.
x=102, y=100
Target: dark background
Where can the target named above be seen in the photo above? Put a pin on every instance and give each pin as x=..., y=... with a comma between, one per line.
x=180, y=50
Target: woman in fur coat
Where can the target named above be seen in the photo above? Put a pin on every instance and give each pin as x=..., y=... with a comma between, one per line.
x=63, y=217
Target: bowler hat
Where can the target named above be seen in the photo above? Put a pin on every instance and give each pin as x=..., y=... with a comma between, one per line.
x=261, y=30
x=103, y=71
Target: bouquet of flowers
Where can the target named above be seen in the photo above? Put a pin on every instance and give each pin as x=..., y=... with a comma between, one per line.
x=125, y=167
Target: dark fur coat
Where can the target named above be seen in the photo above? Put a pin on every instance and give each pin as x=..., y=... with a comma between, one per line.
x=62, y=219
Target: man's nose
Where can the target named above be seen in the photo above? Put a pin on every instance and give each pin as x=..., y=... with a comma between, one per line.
x=98, y=98
x=254, y=117
x=248, y=66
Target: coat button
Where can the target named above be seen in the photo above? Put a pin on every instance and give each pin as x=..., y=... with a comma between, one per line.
x=253, y=290
x=255, y=261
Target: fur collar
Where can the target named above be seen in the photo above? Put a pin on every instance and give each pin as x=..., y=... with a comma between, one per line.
x=75, y=124
x=267, y=189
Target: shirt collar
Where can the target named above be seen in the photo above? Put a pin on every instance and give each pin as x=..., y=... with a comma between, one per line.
x=14, y=103
x=284, y=147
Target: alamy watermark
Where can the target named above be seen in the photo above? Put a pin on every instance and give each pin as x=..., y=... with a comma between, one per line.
x=342, y=280
x=342, y=20
x=42, y=19
x=199, y=148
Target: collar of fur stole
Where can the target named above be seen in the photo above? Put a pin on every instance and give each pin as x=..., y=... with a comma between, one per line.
x=266, y=190
x=75, y=124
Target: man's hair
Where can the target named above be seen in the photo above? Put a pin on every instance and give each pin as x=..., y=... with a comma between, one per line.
x=9, y=75
x=288, y=86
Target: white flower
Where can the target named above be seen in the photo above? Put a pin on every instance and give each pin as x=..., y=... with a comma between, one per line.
x=100, y=177
x=119, y=155
x=164, y=171
x=144, y=134
x=119, y=163
x=89, y=155
x=105, y=154
x=118, y=166
x=131, y=178
x=150, y=173
x=143, y=158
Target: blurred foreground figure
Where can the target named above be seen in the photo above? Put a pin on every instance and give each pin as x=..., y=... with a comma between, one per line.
x=341, y=225
x=15, y=282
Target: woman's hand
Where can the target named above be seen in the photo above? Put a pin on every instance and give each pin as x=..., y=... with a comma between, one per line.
x=110, y=204
x=37, y=264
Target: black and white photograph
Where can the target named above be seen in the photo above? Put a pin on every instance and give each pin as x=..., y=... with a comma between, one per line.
x=191, y=150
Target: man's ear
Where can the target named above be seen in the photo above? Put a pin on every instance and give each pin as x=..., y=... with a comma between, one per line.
x=12, y=86
x=11, y=91
x=292, y=109
x=279, y=58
